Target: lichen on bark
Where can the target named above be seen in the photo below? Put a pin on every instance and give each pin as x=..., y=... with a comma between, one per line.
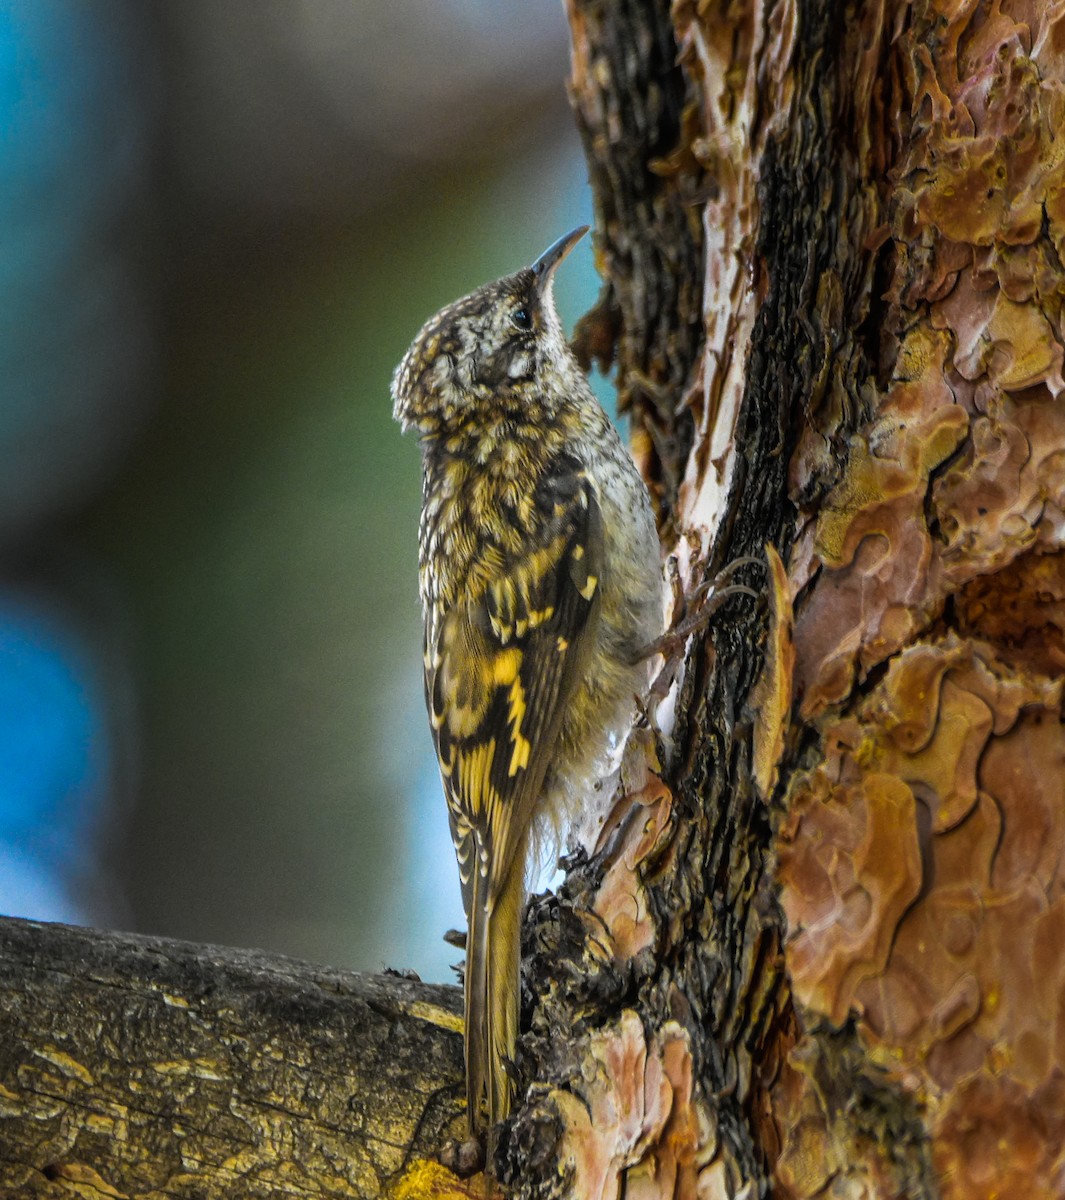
x=138, y=1068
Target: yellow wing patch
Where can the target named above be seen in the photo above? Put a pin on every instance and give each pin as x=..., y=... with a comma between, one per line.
x=467, y=687
x=501, y=661
x=474, y=768
x=519, y=756
x=505, y=667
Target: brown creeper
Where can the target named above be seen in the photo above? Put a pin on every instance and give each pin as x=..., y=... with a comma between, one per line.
x=540, y=583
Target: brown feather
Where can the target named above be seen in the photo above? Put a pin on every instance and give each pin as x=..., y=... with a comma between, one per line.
x=492, y=995
x=507, y=658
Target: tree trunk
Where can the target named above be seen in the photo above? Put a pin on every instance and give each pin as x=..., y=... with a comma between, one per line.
x=832, y=915
x=142, y=1067
x=817, y=949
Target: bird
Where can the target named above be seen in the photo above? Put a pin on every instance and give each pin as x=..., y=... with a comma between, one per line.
x=541, y=587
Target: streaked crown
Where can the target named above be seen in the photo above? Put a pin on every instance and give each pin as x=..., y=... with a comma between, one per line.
x=494, y=347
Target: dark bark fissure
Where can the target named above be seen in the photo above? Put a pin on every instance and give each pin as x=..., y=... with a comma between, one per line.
x=734, y=981
x=814, y=359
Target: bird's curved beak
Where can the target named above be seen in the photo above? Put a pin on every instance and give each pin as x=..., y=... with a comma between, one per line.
x=545, y=265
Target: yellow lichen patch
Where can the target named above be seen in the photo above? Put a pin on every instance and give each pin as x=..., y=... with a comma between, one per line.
x=435, y=1015
x=77, y=1179
x=201, y=1068
x=11, y=1103
x=65, y=1064
x=870, y=484
x=100, y=1124
x=1023, y=349
x=772, y=694
x=426, y=1180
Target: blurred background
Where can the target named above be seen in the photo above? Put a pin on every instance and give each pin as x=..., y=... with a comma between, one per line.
x=220, y=227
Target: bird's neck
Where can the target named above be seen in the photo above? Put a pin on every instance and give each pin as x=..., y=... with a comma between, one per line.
x=509, y=445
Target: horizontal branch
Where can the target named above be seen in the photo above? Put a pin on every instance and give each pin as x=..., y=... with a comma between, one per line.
x=143, y=1067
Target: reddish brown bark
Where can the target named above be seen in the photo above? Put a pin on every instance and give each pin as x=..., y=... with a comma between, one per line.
x=833, y=909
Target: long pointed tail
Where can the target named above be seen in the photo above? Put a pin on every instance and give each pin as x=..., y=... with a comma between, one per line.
x=493, y=952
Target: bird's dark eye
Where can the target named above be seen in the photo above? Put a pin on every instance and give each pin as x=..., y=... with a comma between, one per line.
x=522, y=318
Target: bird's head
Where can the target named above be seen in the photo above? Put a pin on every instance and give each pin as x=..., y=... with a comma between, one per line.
x=500, y=347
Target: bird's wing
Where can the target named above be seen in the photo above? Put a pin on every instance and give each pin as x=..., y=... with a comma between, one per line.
x=500, y=670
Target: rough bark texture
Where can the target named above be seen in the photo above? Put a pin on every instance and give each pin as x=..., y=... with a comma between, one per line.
x=145, y=1068
x=818, y=948
x=922, y=853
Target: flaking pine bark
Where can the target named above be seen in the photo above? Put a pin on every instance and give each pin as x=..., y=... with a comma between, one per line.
x=827, y=954
x=816, y=948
